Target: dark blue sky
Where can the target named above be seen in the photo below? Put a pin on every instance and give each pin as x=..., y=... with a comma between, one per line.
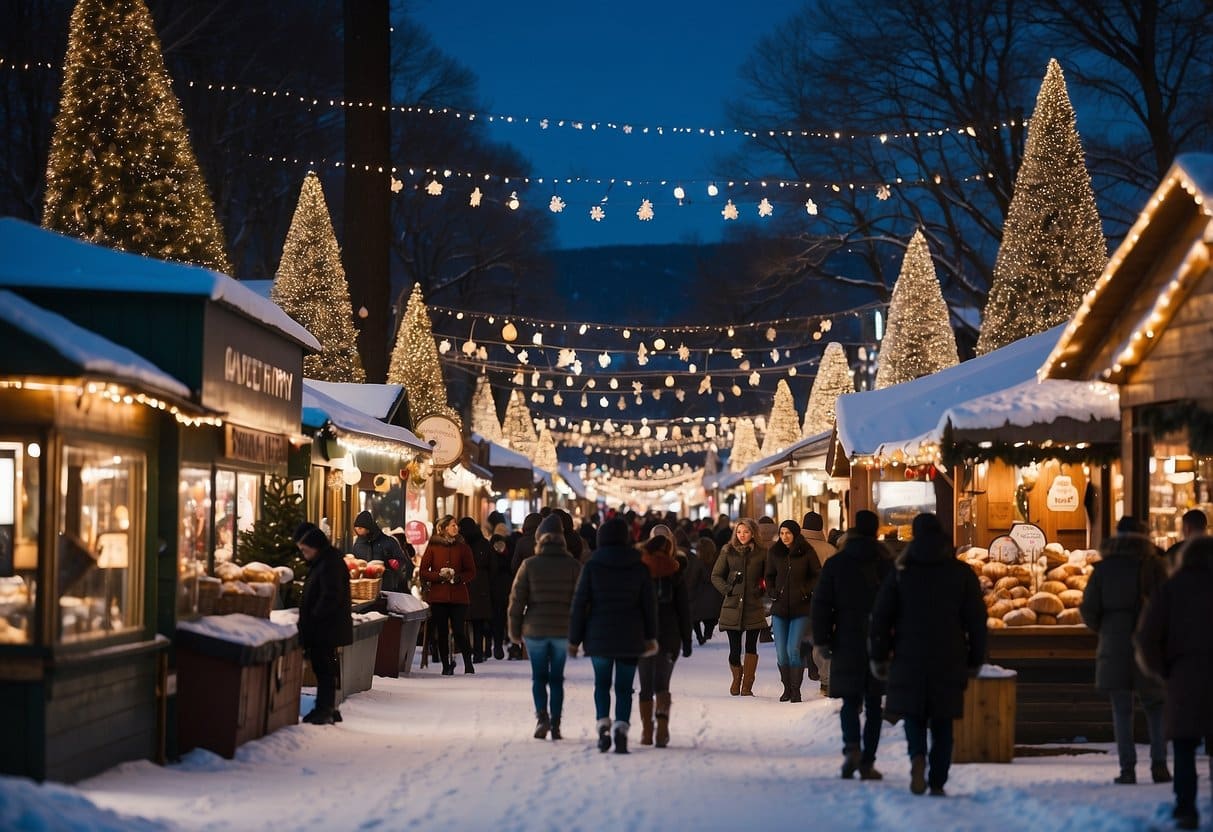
x=667, y=62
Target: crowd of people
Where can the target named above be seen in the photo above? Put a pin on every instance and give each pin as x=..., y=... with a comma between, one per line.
x=894, y=635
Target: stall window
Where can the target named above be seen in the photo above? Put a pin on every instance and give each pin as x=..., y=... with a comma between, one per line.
x=237, y=507
x=19, y=508
x=899, y=501
x=101, y=541
x=1179, y=482
x=383, y=501
x=194, y=535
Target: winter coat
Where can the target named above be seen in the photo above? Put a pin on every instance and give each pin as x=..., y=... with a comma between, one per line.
x=791, y=576
x=614, y=611
x=842, y=607
x=542, y=594
x=738, y=576
x=705, y=600
x=324, y=611
x=480, y=587
x=820, y=545
x=1121, y=582
x=452, y=552
x=930, y=619
x=524, y=546
x=673, y=601
x=1175, y=643
x=501, y=579
x=376, y=545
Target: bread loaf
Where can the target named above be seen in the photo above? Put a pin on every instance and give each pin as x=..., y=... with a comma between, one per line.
x=1076, y=582
x=994, y=570
x=1019, y=618
x=1046, y=602
x=1069, y=617
x=999, y=609
x=996, y=624
x=1071, y=597
x=1020, y=592
x=1053, y=587
x=1046, y=619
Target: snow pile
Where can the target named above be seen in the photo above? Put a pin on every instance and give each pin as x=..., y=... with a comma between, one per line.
x=376, y=400
x=239, y=628
x=26, y=806
x=319, y=408
x=993, y=671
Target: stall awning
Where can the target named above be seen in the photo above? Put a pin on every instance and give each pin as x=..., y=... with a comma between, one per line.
x=320, y=410
x=572, y=479
x=807, y=450
x=378, y=400
x=510, y=469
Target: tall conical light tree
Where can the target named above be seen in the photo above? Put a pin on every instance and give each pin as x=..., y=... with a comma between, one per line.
x=1053, y=247
x=783, y=428
x=121, y=171
x=484, y=411
x=834, y=378
x=745, y=445
x=919, y=339
x=415, y=361
x=517, y=429
x=545, y=451
x=311, y=287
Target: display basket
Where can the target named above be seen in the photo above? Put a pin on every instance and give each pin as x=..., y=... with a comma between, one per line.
x=365, y=589
x=208, y=597
x=257, y=606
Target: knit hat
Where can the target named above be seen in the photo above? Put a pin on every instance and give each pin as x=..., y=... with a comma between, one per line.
x=867, y=523
x=313, y=538
x=661, y=530
x=365, y=520
x=614, y=532
x=792, y=526
x=812, y=522
x=549, y=527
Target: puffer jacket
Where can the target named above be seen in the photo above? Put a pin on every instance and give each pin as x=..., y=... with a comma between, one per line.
x=378, y=546
x=614, y=612
x=738, y=576
x=542, y=595
x=791, y=575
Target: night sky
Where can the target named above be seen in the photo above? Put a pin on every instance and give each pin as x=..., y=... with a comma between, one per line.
x=671, y=62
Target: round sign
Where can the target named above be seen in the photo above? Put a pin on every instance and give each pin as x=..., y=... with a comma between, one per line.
x=1004, y=549
x=415, y=532
x=444, y=436
x=1031, y=538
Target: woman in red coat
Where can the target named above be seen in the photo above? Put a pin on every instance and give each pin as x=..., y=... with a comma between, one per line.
x=446, y=568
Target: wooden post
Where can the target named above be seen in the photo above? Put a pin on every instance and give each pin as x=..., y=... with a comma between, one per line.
x=986, y=732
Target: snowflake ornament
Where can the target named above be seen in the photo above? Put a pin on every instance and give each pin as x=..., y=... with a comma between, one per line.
x=482, y=353
x=556, y=205
x=774, y=356
x=736, y=353
x=524, y=357
x=444, y=347
x=705, y=385
x=475, y=198
x=684, y=352
x=882, y=193
x=771, y=333
x=566, y=358
x=645, y=211
x=604, y=360
x=642, y=355
x=765, y=209
x=811, y=207
x=434, y=188
x=596, y=213
x=397, y=186
x=681, y=395
x=637, y=387
x=729, y=211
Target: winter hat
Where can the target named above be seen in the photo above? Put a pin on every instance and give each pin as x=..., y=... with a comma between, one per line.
x=301, y=530
x=661, y=530
x=549, y=527
x=792, y=526
x=530, y=523
x=1128, y=523
x=614, y=532
x=314, y=539
x=926, y=525
x=812, y=522
x=867, y=523
x=365, y=520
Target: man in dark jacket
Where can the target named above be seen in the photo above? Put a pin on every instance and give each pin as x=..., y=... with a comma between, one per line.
x=370, y=543
x=324, y=618
x=1175, y=643
x=929, y=617
x=1120, y=584
x=842, y=605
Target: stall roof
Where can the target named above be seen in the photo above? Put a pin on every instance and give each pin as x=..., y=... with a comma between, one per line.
x=510, y=469
x=319, y=409
x=501, y=456
x=36, y=258
x=807, y=448
x=545, y=477
x=570, y=476
x=378, y=400
x=868, y=420
x=78, y=350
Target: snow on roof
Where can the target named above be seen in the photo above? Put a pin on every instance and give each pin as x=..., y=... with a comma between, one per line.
x=807, y=448
x=501, y=456
x=239, y=629
x=36, y=258
x=319, y=408
x=911, y=409
x=262, y=288
x=542, y=476
x=376, y=400
x=86, y=349
x=566, y=472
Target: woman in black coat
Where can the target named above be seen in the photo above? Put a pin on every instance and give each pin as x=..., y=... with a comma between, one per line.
x=930, y=619
x=500, y=581
x=480, y=588
x=792, y=570
x=668, y=569
x=1175, y=644
x=324, y=618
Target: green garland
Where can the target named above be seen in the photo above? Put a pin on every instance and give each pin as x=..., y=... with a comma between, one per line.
x=1162, y=420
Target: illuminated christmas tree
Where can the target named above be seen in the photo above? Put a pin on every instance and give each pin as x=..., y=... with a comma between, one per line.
x=745, y=445
x=545, y=451
x=919, y=339
x=783, y=428
x=517, y=429
x=484, y=411
x=415, y=361
x=311, y=288
x=1053, y=246
x=121, y=171
x=834, y=378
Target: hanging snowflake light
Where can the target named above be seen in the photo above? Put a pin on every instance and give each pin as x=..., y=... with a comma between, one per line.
x=434, y=188
x=596, y=213
x=765, y=209
x=771, y=333
x=679, y=194
x=754, y=379
x=882, y=193
x=397, y=186
x=642, y=355
x=556, y=205
x=645, y=211
x=684, y=352
x=474, y=199
x=729, y=211
x=811, y=207
x=512, y=203
x=604, y=360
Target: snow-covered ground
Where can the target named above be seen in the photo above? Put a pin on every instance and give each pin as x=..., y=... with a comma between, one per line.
x=455, y=753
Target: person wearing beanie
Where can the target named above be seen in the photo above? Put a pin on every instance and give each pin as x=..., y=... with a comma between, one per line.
x=842, y=604
x=738, y=576
x=324, y=618
x=614, y=615
x=791, y=574
x=539, y=605
x=370, y=543
x=668, y=570
x=448, y=567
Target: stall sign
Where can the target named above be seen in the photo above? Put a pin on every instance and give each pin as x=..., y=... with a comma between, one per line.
x=444, y=436
x=256, y=446
x=1062, y=496
x=1003, y=549
x=1030, y=537
x=415, y=532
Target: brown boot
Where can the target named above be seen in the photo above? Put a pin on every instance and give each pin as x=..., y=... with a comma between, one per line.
x=646, y=721
x=749, y=666
x=735, y=688
x=663, y=720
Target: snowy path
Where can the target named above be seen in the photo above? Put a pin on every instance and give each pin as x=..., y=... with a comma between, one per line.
x=455, y=753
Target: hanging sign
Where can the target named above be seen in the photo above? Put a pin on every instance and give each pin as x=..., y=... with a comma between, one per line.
x=444, y=436
x=1030, y=537
x=1062, y=496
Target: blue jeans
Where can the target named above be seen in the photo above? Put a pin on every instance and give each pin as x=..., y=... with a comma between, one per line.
x=869, y=703
x=1122, y=728
x=547, y=670
x=624, y=671
x=939, y=758
x=788, y=632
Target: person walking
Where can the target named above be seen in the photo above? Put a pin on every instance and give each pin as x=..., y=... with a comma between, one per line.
x=1128, y=573
x=668, y=568
x=930, y=619
x=539, y=605
x=324, y=618
x=370, y=543
x=791, y=574
x=501, y=579
x=705, y=599
x=614, y=615
x=842, y=605
x=1175, y=644
x=811, y=528
x=448, y=567
x=738, y=576
x=480, y=589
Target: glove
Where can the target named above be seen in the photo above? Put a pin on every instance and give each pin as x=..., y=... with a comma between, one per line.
x=822, y=653
x=573, y=648
x=879, y=669
x=650, y=649
x=686, y=650
x=394, y=564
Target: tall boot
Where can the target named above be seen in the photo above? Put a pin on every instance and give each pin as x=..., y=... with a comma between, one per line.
x=795, y=680
x=735, y=688
x=543, y=724
x=646, y=721
x=851, y=760
x=783, y=677
x=621, y=737
x=749, y=666
x=556, y=735
x=468, y=667
x=663, y=720
x=604, y=734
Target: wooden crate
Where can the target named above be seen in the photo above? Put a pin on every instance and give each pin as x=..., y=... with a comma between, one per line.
x=986, y=732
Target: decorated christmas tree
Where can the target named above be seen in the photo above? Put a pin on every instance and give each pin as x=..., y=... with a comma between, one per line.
x=271, y=539
x=484, y=411
x=121, y=171
x=919, y=339
x=545, y=450
x=517, y=429
x=783, y=428
x=1053, y=246
x=415, y=361
x=834, y=378
x=745, y=445
x=311, y=288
